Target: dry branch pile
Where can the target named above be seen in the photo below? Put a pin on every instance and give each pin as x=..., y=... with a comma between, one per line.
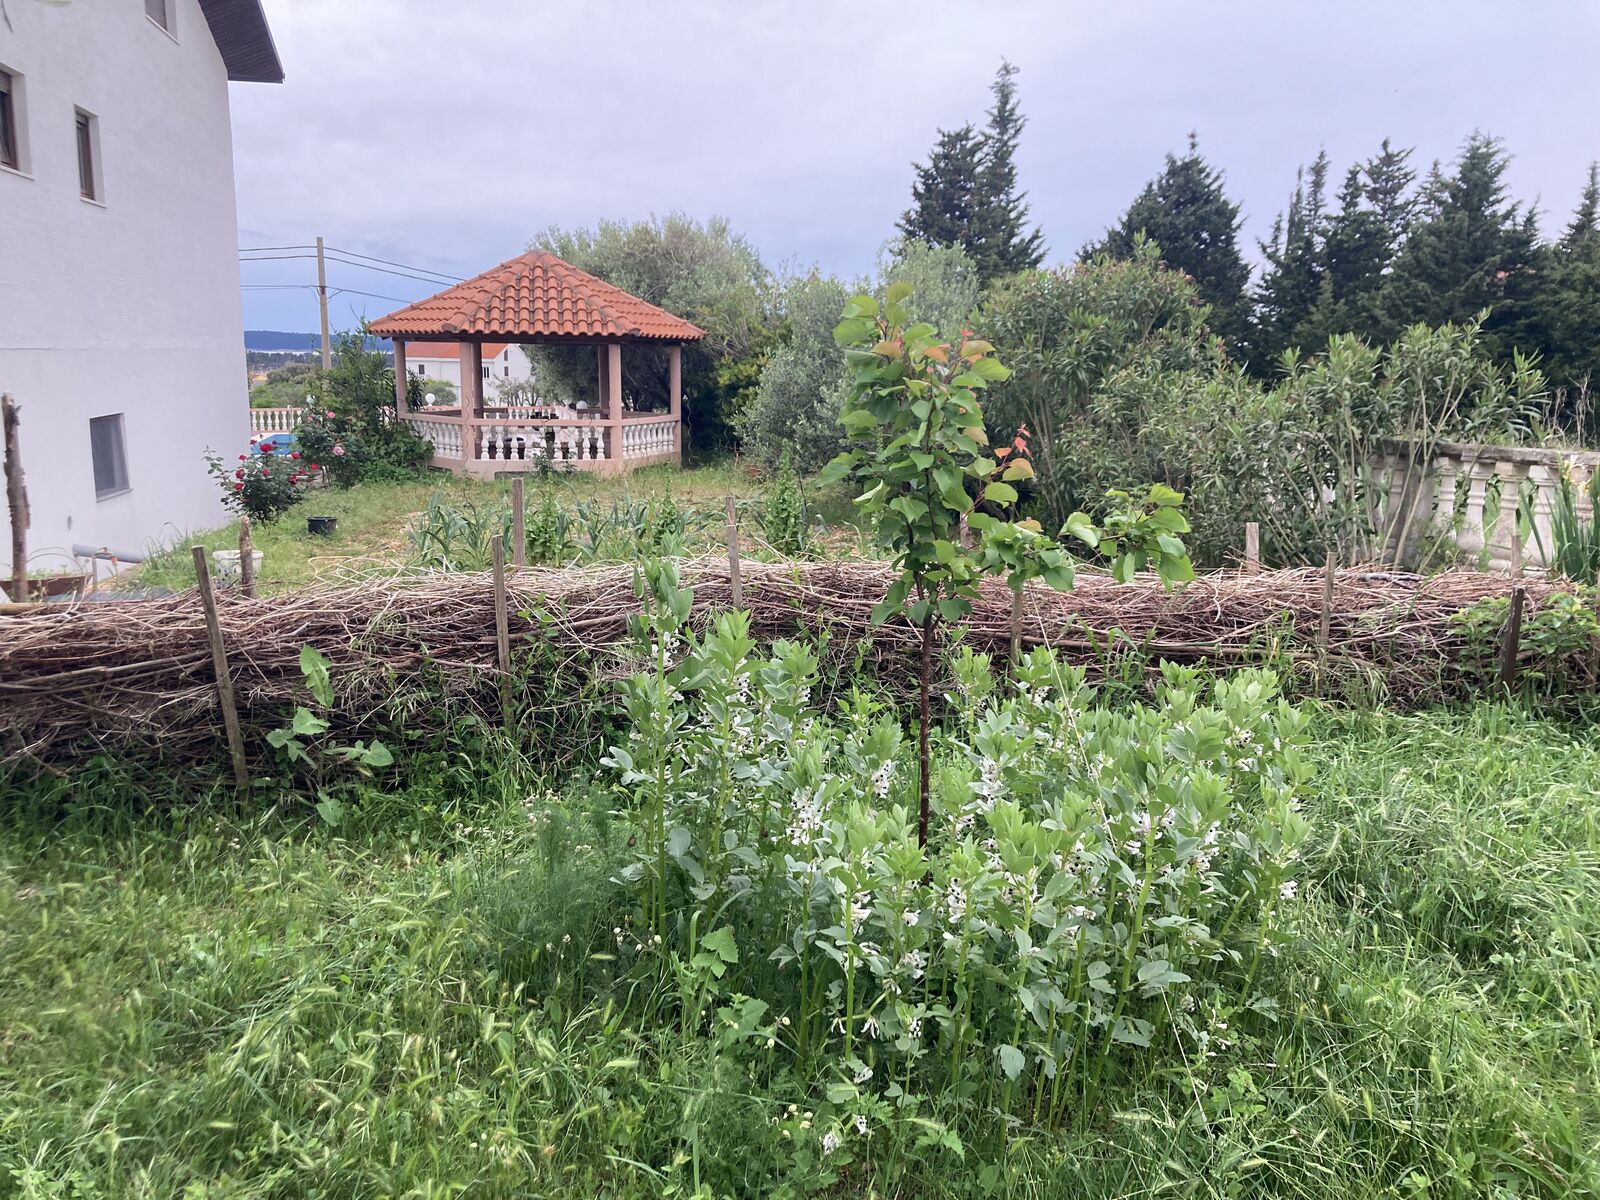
x=115, y=675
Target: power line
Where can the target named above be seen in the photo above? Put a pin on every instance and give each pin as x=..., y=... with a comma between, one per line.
x=373, y=295
x=387, y=271
x=275, y=257
x=386, y=262
x=261, y=249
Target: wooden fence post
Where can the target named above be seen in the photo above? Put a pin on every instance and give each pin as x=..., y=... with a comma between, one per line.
x=519, y=525
x=247, y=563
x=735, y=583
x=1016, y=627
x=502, y=629
x=1512, y=641
x=1327, y=604
x=219, y=667
x=1252, y=547
x=17, y=499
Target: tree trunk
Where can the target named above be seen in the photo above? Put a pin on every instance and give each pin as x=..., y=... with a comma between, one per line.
x=924, y=719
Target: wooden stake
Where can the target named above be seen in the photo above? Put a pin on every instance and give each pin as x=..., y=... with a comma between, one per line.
x=219, y=667
x=1327, y=604
x=1252, y=547
x=247, y=561
x=1512, y=641
x=17, y=499
x=735, y=583
x=502, y=629
x=519, y=526
x=1016, y=627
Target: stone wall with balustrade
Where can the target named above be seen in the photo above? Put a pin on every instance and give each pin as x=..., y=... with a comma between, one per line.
x=1490, y=506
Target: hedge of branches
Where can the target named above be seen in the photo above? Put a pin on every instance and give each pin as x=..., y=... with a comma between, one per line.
x=410, y=648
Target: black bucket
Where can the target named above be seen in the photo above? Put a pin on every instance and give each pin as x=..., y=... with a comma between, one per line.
x=322, y=526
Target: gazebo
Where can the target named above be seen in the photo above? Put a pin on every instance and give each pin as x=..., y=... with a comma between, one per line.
x=538, y=298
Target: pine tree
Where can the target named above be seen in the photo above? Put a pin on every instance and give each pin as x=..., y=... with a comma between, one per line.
x=1003, y=247
x=1470, y=250
x=1187, y=214
x=1571, y=301
x=1388, y=191
x=966, y=195
x=944, y=195
x=1291, y=285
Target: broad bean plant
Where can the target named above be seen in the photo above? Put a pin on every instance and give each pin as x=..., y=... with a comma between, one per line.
x=1100, y=884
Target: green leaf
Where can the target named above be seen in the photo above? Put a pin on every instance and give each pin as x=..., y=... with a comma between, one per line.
x=720, y=942
x=377, y=755
x=315, y=669
x=1012, y=1061
x=898, y=291
x=331, y=811
x=1081, y=527
x=307, y=723
x=1000, y=493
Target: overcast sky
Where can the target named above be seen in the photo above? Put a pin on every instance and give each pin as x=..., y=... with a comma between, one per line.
x=447, y=135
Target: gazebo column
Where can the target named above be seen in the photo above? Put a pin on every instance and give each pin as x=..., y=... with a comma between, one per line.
x=613, y=379
x=675, y=398
x=399, y=378
x=471, y=355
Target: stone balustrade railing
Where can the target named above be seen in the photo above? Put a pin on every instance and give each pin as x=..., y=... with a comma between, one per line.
x=274, y=420
x=1492, y=506
x=514, y=441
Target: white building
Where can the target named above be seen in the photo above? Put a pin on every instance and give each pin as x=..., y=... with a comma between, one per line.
x=121, y=336
x=502, y=364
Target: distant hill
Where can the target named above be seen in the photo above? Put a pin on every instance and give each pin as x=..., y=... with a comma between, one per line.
x=277, y=339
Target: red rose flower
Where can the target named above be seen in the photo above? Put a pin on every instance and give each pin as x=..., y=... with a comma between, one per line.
x=238, y=487
x=294, y=454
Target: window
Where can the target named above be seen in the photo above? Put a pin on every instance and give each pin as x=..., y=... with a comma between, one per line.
x=10, y=146
x=507, y=370
x=110, y=456
x=156, y=10
x=422, y=368
x=89, y=156
x=486, y=372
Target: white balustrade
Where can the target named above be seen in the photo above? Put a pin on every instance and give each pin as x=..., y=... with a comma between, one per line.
x=274, y=420
x=1478, y=499
x=444, y=435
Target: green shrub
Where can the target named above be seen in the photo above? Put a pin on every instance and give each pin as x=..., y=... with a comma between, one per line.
x=783, y=513
x=1097, y=894
x=262, y=486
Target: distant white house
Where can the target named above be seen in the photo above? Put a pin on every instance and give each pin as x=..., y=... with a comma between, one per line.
x=502, y=364
x=121, y=337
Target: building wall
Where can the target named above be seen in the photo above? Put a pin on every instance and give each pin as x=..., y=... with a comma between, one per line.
x=130, y=306
x=512, y=364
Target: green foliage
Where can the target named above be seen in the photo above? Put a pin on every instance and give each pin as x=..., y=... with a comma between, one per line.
x=299, y=992
x=1119, y=382
x=350, y=430
x=1556, y=644
x=327, y=768
x=1185, y=212
x=783, y=512
x=802, y=384
x=1084, y=895
x=966, y=195
x=262, y=486
x=286, y=386
x=1575, y=541
x=703, y=272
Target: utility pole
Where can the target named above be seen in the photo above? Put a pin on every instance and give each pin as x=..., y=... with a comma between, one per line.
x=322, y=301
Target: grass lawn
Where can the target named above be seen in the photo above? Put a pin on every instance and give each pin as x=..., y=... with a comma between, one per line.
x=373, y=518
x=199, y=1001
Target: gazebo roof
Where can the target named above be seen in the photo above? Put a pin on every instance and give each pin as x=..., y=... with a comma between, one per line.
x=535, y=296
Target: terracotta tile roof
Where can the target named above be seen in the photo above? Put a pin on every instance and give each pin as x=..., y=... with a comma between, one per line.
x=536, y=295
x=450, y=350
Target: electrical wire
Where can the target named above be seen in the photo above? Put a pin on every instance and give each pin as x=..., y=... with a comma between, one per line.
x=263, y=249
x=386, y=262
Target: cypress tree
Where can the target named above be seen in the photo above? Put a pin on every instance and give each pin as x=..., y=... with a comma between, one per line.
x=945, y=196
x=1291, y=285
x=1003, y=247
x=1571, y=301
x=1185, y=211
x=1471, y=250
